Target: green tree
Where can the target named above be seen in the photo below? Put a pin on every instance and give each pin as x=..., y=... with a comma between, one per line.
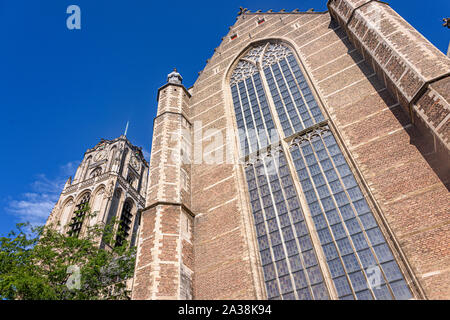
x=39, y=263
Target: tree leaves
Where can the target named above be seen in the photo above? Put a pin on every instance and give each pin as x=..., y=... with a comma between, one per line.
x=34, y=264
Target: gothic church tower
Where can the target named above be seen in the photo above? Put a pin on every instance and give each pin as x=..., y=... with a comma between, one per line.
x=112, y=179
x=347, y=200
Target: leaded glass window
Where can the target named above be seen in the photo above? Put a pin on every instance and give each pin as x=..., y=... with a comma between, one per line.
x=272, y=98
x=289, y=261
x=355, y=248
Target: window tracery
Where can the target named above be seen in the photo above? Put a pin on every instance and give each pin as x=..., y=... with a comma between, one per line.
x=350, y=239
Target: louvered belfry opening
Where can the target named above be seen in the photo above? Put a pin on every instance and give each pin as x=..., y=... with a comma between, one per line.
x=79, y=215
x=124, y=225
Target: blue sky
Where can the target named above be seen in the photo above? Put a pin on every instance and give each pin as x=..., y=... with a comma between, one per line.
x=62, y=90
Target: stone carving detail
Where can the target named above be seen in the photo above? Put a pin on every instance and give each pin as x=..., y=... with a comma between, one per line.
x=110, y=189
x=270, y=53
x=274, y=53
x=243, y=70
x=100, y=155
x=272, y=151
x=71, y=189
x=135, y=164
x=255, y=54
x=317, y=132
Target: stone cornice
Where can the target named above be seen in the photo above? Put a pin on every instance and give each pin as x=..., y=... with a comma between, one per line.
x=171, y=112
x=173, y=84
x=105, y=176
x=166, y=203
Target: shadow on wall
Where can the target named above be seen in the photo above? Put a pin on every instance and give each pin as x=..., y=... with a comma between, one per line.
x=420, y=137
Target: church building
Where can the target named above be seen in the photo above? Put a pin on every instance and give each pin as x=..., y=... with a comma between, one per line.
x=310, y=160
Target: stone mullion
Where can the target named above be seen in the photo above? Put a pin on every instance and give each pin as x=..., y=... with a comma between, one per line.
x=263, y=119
x=258, y=147
x=308, y=109
x=340, y=215
x=281, y=233
x=281, y=97
x=359, y=222
x=266, y=226
x=307, y=215
x=300, y=253
x=311, y=226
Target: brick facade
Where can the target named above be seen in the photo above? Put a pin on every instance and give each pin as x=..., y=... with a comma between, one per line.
x=384, y=88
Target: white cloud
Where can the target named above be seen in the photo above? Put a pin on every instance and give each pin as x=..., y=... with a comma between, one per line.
x=69, y=168
x=36, y=205
x=34, y=208
x=146, y=155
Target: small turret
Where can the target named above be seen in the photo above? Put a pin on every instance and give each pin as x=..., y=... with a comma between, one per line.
x=174, y=77
x=68, y=182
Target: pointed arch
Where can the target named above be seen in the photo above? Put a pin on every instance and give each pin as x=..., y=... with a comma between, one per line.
x=125, y=222
x=96, y=172
x=86, y=167
x=113, y=154
x=97, y=204
x=79, y=214
x=67, y=209
x=299, y=169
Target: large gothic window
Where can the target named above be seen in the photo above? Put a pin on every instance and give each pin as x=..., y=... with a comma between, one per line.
x=79, y=215
x=272, y=99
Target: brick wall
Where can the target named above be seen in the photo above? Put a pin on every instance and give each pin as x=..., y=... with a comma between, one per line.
x=393, y=158
x=389, y=107
x=164, y=264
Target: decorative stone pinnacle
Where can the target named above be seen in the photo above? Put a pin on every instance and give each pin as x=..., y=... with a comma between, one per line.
x=446, y=22
x=174, y=77
x=242, y=11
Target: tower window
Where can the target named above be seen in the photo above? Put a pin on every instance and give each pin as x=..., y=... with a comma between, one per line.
x=124, y=224
x=96, y=172
x=131, y=179
x=78, y=216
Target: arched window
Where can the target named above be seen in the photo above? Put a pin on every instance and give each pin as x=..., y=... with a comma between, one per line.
x=67, y=209
x=79, y=215
x=86, y=167
x=96, y=172
x=272, y=99
x=131, y=178
x=124, y=224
